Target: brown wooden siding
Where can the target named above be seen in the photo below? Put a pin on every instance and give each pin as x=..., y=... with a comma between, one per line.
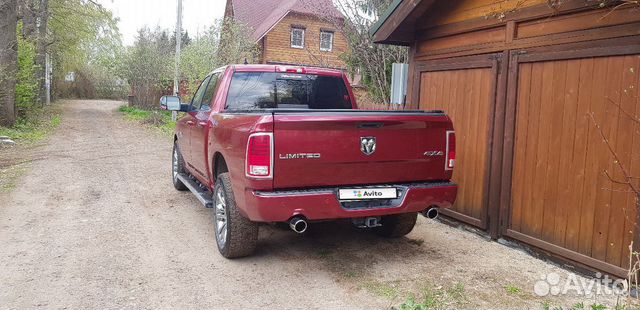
x=465, y=10
x=277, y=47
x=560, y=193
x=546, y=161
x=456, y=40
x=466, y=95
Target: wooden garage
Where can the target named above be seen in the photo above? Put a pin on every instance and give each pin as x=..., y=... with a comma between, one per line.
x=544, y=99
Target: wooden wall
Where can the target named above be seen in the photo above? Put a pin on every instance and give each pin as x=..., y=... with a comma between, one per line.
x=277, y=43
x=560, y=193
x=459, y=11
x=547, y=69
x=467, y=96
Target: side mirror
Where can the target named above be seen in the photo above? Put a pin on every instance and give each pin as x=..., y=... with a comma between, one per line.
x=170, y=103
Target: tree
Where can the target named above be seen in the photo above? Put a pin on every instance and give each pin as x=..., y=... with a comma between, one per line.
x=226, y=42
x=41, y=48
x=8, y=61
x=236, y=45
x=76, y=28
x=34, y=15
x=373, y=61
x=26, y=82
x=199, y=58
x=148, y=66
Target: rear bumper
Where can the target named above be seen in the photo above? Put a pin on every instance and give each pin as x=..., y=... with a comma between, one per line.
x=323, y=204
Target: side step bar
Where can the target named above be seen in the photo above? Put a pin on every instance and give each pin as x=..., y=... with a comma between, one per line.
x=202, y=194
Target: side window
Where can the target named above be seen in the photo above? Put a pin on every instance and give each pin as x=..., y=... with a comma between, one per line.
x=326, y=41
x=211, y=92
x=297, y=37
x=197, y=98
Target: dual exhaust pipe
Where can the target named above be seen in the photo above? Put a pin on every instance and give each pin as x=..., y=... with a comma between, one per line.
x=299, y=224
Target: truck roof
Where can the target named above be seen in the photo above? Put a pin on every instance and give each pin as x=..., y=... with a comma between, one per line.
x=287, y=68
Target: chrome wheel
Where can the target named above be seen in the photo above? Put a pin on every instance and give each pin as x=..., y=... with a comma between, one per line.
x=221, y=217
x=175, y=164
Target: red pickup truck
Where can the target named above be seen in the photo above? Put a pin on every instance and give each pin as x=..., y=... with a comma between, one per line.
x=280, y=144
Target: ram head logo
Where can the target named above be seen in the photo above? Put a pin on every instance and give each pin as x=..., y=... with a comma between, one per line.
x=368, y=145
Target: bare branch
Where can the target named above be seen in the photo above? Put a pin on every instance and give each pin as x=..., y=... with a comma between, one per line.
x=623, y=169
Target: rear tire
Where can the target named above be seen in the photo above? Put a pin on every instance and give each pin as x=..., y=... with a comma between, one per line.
x=397, y=225
x=177, y=167
x=236, y=235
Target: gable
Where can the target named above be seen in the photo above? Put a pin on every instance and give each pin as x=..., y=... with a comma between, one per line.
x=262, y=18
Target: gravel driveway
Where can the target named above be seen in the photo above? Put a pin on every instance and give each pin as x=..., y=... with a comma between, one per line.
x=96, y=223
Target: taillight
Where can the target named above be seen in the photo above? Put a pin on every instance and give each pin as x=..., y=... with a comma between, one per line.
x=259, y=161
x=451, y=150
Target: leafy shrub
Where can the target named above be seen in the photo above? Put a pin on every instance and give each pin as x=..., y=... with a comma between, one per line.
x=27, y=83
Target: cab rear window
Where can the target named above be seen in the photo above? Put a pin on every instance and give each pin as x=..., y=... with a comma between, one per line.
x=268, y=90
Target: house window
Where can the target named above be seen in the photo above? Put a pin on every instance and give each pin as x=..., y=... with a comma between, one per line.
x=326, y=41
x=297, y=37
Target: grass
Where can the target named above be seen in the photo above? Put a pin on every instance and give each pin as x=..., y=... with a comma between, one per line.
x=9, y=177
x=437, y=298
x=160, y=120
x=581, y=306
x=34, y=126
x=512, y=289
x=382, y=289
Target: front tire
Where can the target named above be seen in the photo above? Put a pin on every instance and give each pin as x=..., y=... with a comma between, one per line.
x=177, y=167
x=397, y=225
x=236, y=236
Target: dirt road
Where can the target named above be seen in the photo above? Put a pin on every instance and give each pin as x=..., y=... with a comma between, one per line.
x=97, y=224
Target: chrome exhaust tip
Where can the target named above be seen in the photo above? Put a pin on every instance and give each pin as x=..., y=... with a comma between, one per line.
x=431, y=213
x=298, y=224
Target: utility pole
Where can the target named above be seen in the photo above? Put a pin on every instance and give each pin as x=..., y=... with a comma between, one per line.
x=176, y=79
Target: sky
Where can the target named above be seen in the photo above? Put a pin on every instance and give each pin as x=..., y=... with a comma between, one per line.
x=197, y=15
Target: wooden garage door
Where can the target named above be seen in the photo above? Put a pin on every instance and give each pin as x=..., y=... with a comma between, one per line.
x=465, y=89
x=561, y=196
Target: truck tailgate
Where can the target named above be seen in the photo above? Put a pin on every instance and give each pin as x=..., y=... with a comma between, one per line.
x=321, y=149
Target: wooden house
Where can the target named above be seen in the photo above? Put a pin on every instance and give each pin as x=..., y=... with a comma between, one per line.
x=542, y=93
x=293, y=32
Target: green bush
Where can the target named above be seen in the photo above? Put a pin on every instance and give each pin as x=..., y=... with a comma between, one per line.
x=27, y=83
x=33, y=126
x=154, y=118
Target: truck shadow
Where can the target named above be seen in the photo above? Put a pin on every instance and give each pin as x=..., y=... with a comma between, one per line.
x=341, y=248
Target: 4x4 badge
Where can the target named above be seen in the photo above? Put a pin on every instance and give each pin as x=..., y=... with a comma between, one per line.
x=368, y=145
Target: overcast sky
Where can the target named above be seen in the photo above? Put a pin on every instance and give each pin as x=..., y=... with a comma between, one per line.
x=198, y=15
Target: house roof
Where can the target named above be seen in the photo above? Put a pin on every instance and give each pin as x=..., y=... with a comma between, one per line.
x=397, y=24
x=264, y=16
x=384, y=17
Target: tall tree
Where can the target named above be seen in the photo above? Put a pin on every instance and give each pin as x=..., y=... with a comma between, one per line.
x=27, y=13
x=41, y=48
x=372, y=61
x=8, y=61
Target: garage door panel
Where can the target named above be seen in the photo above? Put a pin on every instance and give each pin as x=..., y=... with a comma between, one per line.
x=592, y=175
x=467, y=95
x=532, y=216
x=569, y=104
x=553, y=131
x=559, y=192
x=631, y=231
x=623, y=145
x=575, y=185
x=608, y=122
x=519, y=183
